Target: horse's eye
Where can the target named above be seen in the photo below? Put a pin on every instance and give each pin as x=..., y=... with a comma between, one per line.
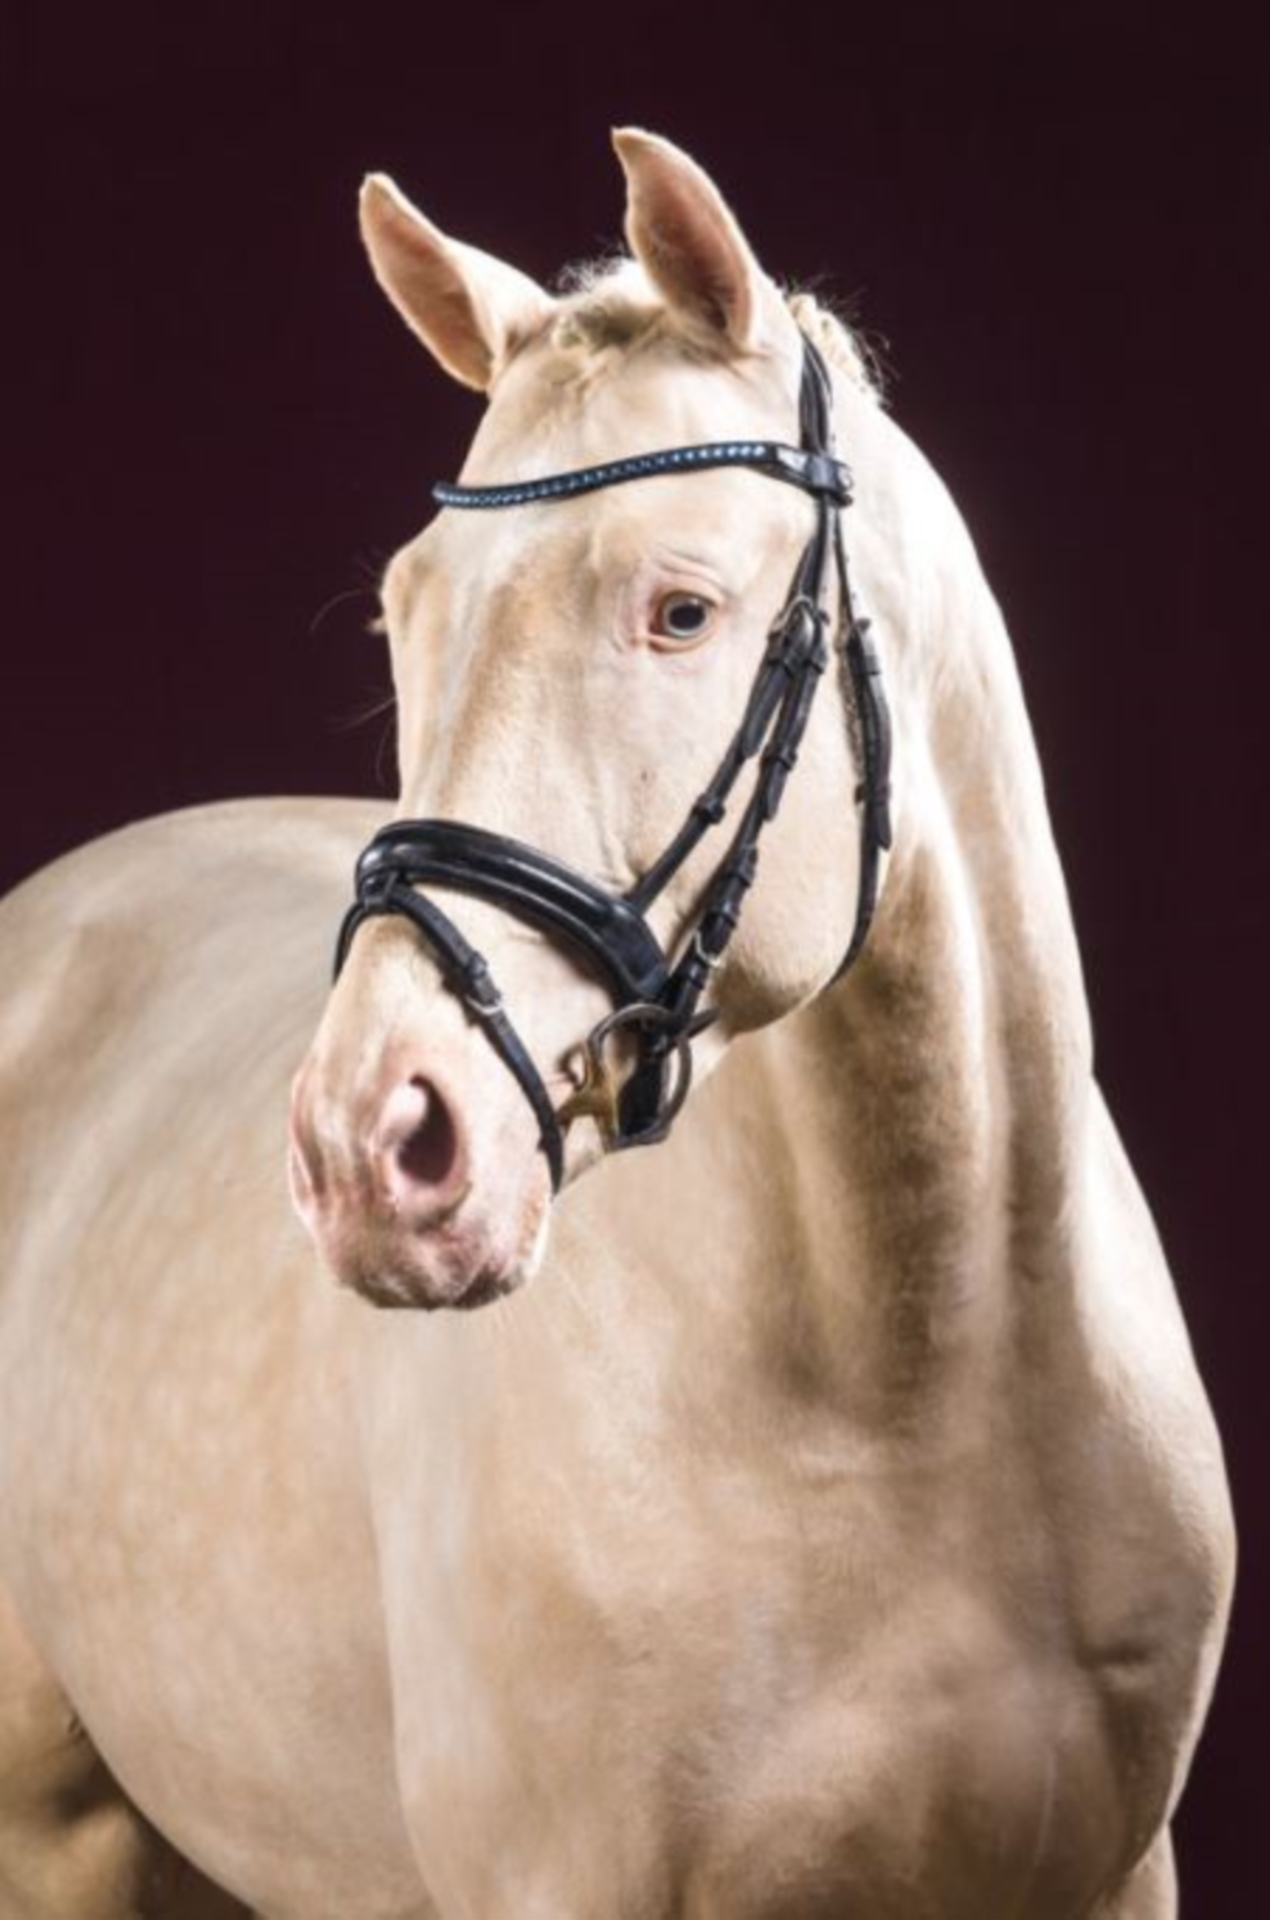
x=683, y=617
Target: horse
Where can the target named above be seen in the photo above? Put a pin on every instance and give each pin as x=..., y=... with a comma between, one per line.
x=815, y=1513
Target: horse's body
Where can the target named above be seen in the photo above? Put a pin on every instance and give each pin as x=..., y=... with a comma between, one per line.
x=836, y=1526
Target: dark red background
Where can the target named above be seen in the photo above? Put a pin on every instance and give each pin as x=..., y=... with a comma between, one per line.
x=215, y=433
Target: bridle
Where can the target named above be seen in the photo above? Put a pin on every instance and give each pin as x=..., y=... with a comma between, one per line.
x=657, y=997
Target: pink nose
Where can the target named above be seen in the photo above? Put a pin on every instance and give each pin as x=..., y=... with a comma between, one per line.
x=418, y=1155
x=412, y=1167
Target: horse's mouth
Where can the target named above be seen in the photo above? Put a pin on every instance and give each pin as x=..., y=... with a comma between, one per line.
x=466, y=1256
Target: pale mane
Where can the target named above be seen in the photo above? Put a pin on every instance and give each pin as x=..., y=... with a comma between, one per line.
x=610, y=302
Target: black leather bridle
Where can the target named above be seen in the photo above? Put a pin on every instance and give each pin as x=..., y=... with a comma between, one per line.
x=657, y=997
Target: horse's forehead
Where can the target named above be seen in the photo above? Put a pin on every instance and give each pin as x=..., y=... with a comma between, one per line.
x=555, y=410
x=557, y=407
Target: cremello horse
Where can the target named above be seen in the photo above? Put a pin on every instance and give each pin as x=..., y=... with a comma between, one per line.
x=830, y=1522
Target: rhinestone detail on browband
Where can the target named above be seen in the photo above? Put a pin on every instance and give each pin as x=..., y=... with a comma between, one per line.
x=812, y=472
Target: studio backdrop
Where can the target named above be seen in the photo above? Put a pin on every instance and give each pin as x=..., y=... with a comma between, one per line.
x=1048, y=222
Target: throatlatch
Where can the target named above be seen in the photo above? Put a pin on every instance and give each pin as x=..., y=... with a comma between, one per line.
x=657, y=998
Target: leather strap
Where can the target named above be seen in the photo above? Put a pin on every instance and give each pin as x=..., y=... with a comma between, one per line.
x=467, y=973
x=608, y=931
x=809, y=467
x=873, y=719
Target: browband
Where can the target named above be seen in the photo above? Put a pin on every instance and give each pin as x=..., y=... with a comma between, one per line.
x=812, y=470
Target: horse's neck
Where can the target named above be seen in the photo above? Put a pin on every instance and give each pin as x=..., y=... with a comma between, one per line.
x=866, y=1191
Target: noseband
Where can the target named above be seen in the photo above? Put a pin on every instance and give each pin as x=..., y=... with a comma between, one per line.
x=657, y=996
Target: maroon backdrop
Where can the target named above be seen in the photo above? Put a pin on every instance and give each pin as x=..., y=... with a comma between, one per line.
x=215, y=433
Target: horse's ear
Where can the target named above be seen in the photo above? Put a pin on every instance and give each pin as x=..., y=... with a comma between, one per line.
x=682, y=232
x=470, y=310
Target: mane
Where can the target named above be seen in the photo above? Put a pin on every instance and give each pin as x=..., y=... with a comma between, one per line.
x=610, y=302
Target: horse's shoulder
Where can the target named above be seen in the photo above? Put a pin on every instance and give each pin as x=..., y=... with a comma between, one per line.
x=176, y=912
x=233, y=837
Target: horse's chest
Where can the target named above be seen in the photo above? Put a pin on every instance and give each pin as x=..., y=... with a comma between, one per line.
x=736, y=1728
x=927, y=1763
x=949, y=1790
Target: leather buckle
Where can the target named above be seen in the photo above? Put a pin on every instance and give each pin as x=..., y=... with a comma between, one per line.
x=815, y=472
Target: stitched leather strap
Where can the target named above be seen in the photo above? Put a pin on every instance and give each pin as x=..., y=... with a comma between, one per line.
x=810, y=467
x=873, y=720
x=467, y=972
x=610, y=932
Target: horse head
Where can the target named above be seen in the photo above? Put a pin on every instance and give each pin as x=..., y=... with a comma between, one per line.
x=571, y=672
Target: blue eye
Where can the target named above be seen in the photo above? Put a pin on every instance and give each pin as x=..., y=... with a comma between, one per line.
x=683, y=617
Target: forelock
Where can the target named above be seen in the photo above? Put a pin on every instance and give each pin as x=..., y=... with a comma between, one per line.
x=610, y=302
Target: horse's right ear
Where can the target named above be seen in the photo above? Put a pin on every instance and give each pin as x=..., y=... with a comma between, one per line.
x=470, y=310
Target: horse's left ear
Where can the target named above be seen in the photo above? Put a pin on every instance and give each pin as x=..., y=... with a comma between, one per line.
x=683, y=233
x=470, y=310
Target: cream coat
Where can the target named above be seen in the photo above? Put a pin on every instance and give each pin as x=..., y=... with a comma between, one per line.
x=830, y=1521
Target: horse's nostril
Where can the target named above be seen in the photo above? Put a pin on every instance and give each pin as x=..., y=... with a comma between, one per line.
x=426, y=1145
